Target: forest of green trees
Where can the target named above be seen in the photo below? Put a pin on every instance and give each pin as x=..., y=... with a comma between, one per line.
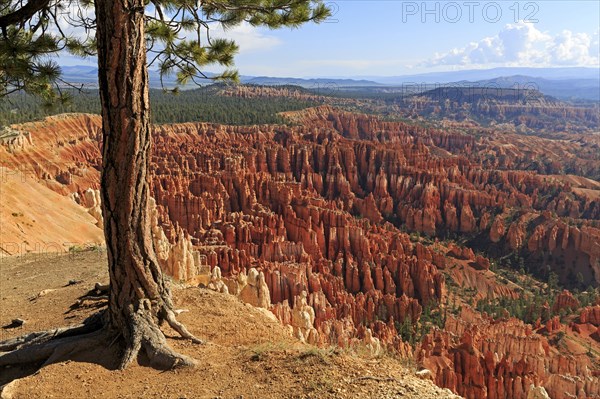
x=204, y=104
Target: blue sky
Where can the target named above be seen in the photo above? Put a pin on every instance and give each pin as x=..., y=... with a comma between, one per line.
x=382, y=38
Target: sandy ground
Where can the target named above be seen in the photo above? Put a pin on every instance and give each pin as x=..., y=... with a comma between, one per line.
x=248, y=354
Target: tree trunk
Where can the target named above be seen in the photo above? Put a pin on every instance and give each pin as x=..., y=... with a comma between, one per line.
x=138, y=300
x=138, y=297
x=123, y=77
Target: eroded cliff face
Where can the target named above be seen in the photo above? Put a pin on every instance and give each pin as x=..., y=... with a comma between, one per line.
x=324, y=212
x=483, y=358
x=521, y=109
x=286, y=203
x=317, y=207
x=63, y=153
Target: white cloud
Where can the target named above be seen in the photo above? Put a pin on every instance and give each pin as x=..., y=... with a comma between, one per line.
x=574, y=48
x=247, y=37
x=522, y=44
x=595, y=47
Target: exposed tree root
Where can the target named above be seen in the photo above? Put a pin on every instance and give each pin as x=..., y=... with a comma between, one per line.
x=180, y=328
x=101, y=288
x=89, y=298
x=52, y=350
x=147, y=336
x=96, y=296
x=142, y=335
x=91, y=324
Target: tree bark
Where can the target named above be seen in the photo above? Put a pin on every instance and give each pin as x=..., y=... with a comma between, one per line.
x=138, y=297
x=123, y=80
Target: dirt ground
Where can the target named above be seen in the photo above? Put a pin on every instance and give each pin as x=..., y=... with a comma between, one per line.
x=249, y=354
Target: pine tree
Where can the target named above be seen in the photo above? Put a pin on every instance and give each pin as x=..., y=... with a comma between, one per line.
x=129, y=36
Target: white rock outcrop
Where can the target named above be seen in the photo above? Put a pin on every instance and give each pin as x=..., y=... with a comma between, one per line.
x=372, y=343
x=179, y=260
x=216, y=281
x=303, y=320
x=256, y=292
x=91, y=201
x=537, y=393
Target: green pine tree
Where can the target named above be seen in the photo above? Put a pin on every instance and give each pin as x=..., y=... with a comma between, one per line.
x=129, y=36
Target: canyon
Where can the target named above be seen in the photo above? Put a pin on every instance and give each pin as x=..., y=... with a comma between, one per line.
x=351, y=229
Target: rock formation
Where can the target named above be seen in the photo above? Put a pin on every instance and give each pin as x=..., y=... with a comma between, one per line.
x=482, y=358
x=255, y=292
x=91, y=201
x=590, y=314
x=565, y=300
x=537, y=393
x=340, y=226
x=216, y=281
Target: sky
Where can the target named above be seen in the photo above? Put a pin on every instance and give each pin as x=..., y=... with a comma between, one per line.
x=389, y=38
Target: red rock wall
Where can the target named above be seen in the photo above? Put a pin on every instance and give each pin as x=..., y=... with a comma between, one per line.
x=321, y=207
x=480, y=358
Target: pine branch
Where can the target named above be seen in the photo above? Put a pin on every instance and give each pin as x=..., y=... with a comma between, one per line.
x=23, y=14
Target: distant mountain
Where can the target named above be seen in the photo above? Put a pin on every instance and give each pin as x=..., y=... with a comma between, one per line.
x=566, y=89
x=88, y=75
x=527, y=110
x=563, y=83
x=474, y=94
x=80, y=74
x=483, y=74
x=310, y=83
